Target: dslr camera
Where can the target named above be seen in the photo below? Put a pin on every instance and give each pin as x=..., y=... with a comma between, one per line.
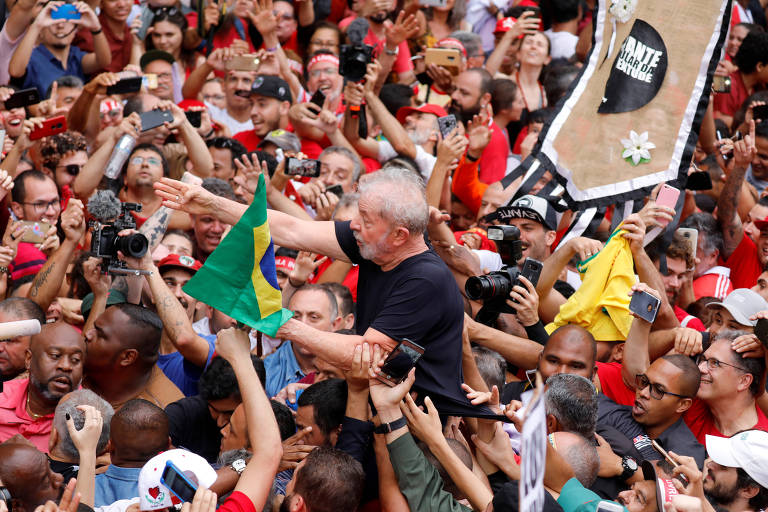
x=493, y=288
x=354, y=61
x=105, y=241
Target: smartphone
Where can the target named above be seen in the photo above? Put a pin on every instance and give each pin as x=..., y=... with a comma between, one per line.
x=304, y=168
x=761, y=331
x=699, y=180
x=721, y=84
x=246, y=62
x=336, y=189
x=2, y=141
x=531, y=270
x=663, y=452
x=146, y=20
x=149, y=81
x=760, y=113
x=155, y=118
x=179, y=485
x=22, y=98
x=318, y=98
x=644, y=305
x=65, y=12
x=399, y=362
x=691, y=237
x=667, y=197
x=535, y=10
x=446, y=124
x=125, y=86
x=50, y=127
x=35, y=233
x=195, y=117
x=449, y=58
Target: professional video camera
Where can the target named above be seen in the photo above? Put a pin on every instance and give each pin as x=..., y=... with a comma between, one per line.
x=112, y=217
x=493, y=288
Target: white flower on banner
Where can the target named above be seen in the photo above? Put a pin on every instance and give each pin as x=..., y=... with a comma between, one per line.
x=623, y=10
x=636, y=148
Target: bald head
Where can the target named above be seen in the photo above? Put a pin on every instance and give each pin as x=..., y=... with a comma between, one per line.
x=138, y=432
x=570, y=349
x=55, y=361
x=27, y=475
x=580, y=454
x=689, y=377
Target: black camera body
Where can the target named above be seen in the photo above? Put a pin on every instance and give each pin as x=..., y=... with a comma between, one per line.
x=493, y=288
x=105, y=241
x=354, y=60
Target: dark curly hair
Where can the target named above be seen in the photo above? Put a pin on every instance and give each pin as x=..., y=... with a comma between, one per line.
x=55, y=147
x=329, y=398
x=218, y=381
x=753, y=51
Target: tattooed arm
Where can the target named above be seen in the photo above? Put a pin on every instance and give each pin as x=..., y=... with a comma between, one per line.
x=727, y=204
x=48, y=280
x=154, y=227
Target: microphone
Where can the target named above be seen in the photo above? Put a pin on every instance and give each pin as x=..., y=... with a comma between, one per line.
x=357, y=30
x=104, y=206
x=10, y=330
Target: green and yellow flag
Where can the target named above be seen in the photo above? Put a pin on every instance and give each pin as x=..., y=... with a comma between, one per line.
x=239, y=277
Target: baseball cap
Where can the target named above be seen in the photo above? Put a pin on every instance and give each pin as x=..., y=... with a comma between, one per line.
x=665, y=488
x=532, y=207
x=153, y=495
x=271, y=87
x=427, y=108
x=283, y=139
x=179, y=261
x=747, y=450
x=153, y=55
x=186, y=104
x=113, y=297
x=742, y=303
x=505, y=24
x=762, y=224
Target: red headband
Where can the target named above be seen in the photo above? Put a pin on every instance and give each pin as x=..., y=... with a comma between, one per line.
x=285, y=262
x=452, y=42
x=321, y=58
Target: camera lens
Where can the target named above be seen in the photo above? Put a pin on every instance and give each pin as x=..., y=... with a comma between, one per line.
x=134, y=245
x=488, y=287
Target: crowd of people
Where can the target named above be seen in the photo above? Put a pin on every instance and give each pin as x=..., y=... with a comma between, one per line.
x=136, y=396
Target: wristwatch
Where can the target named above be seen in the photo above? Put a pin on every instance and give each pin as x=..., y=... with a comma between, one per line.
x=629, y=466
x=392, y=52
x=238, y=466
x=386, y=428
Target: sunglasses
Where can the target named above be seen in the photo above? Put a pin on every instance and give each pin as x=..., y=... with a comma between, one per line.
x=72, y=169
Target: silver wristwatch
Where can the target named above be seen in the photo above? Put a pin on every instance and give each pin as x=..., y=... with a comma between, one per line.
x=238, y=466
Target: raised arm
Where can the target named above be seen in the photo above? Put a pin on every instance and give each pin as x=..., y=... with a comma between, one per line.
x=390, y=127
x=102, y=55
x=521, y=352
x=263, y=433
x=727, y=204
x=353, y=96
x=636, y=358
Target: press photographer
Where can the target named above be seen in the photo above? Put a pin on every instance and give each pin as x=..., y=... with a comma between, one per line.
x=112, y=217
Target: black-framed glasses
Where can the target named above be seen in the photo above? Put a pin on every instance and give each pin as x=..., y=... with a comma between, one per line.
x=43, y=206
x=714, y=364
x=169, y=10
x=657, y=392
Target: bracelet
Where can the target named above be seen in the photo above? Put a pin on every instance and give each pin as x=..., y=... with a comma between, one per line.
x=96, y=32
x=386, y=428
x=392, y=52
x=471, y=158
x=273, y=50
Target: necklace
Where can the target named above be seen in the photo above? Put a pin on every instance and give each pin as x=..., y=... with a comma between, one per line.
x=29, y=410
x=522, y=92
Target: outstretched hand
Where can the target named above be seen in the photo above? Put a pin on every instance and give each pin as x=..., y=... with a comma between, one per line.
x=192, y=199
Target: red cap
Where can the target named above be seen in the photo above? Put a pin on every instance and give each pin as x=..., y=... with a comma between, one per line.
x=452, y=43
x=427, y=108
x=761, y=224
x=178, y=261
x=504, y=24
x=185, y=104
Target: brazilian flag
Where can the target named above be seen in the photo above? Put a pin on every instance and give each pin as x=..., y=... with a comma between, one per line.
x=239, y=277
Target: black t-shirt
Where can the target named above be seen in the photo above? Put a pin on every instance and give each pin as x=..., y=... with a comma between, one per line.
x=193, y=428
x=677, y=437
x=418, y=300
x=68, y=470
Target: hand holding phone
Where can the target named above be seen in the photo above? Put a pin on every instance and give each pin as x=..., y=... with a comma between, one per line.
x=667, y=197
x=644, y=305
x=155, y=118
x=52, y=126
x=399, y=363
x=306, y=168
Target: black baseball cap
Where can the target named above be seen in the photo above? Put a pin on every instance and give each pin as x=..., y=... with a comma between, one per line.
x=272, y=87
x=153, y=55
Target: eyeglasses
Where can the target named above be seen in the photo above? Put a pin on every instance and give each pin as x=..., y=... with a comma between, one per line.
x=324, y=71
x=324, y=44
x=657, y=392
x=151, y=160
x=169, y=10
x=111, y=113
x=42, y=206
x=714, y=364
x=73, y=169
x=217, y=97
x=164, y=76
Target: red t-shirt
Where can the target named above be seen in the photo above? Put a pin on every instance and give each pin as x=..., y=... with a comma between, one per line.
x=744, y=264
x=402, y=61
x=701, y=422
x=493, y=161
x=350, y=280
x=250, y=140
x=237, y=502
x=687, y=320
x=728, y=103
x=612, y=385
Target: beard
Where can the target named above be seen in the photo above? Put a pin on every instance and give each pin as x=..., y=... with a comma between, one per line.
x=418, y=138
x=379, y=17
x=285, y=506
x=718, y=494
x=371, y=251
x=464, y=115
x=42, y=387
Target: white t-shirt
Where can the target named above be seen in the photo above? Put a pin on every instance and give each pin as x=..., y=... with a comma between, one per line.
x=220, y=115
x=424, y=160
x=7, y=48
x=563, y=44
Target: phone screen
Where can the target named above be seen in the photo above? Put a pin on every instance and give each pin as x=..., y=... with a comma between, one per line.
x=177, y=483
x=401, y=360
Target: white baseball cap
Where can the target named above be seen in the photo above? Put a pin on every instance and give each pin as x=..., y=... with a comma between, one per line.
x=747, y=450
x=153, y=495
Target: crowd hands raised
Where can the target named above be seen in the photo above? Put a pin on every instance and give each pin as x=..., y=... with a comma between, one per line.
x=184, y=112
